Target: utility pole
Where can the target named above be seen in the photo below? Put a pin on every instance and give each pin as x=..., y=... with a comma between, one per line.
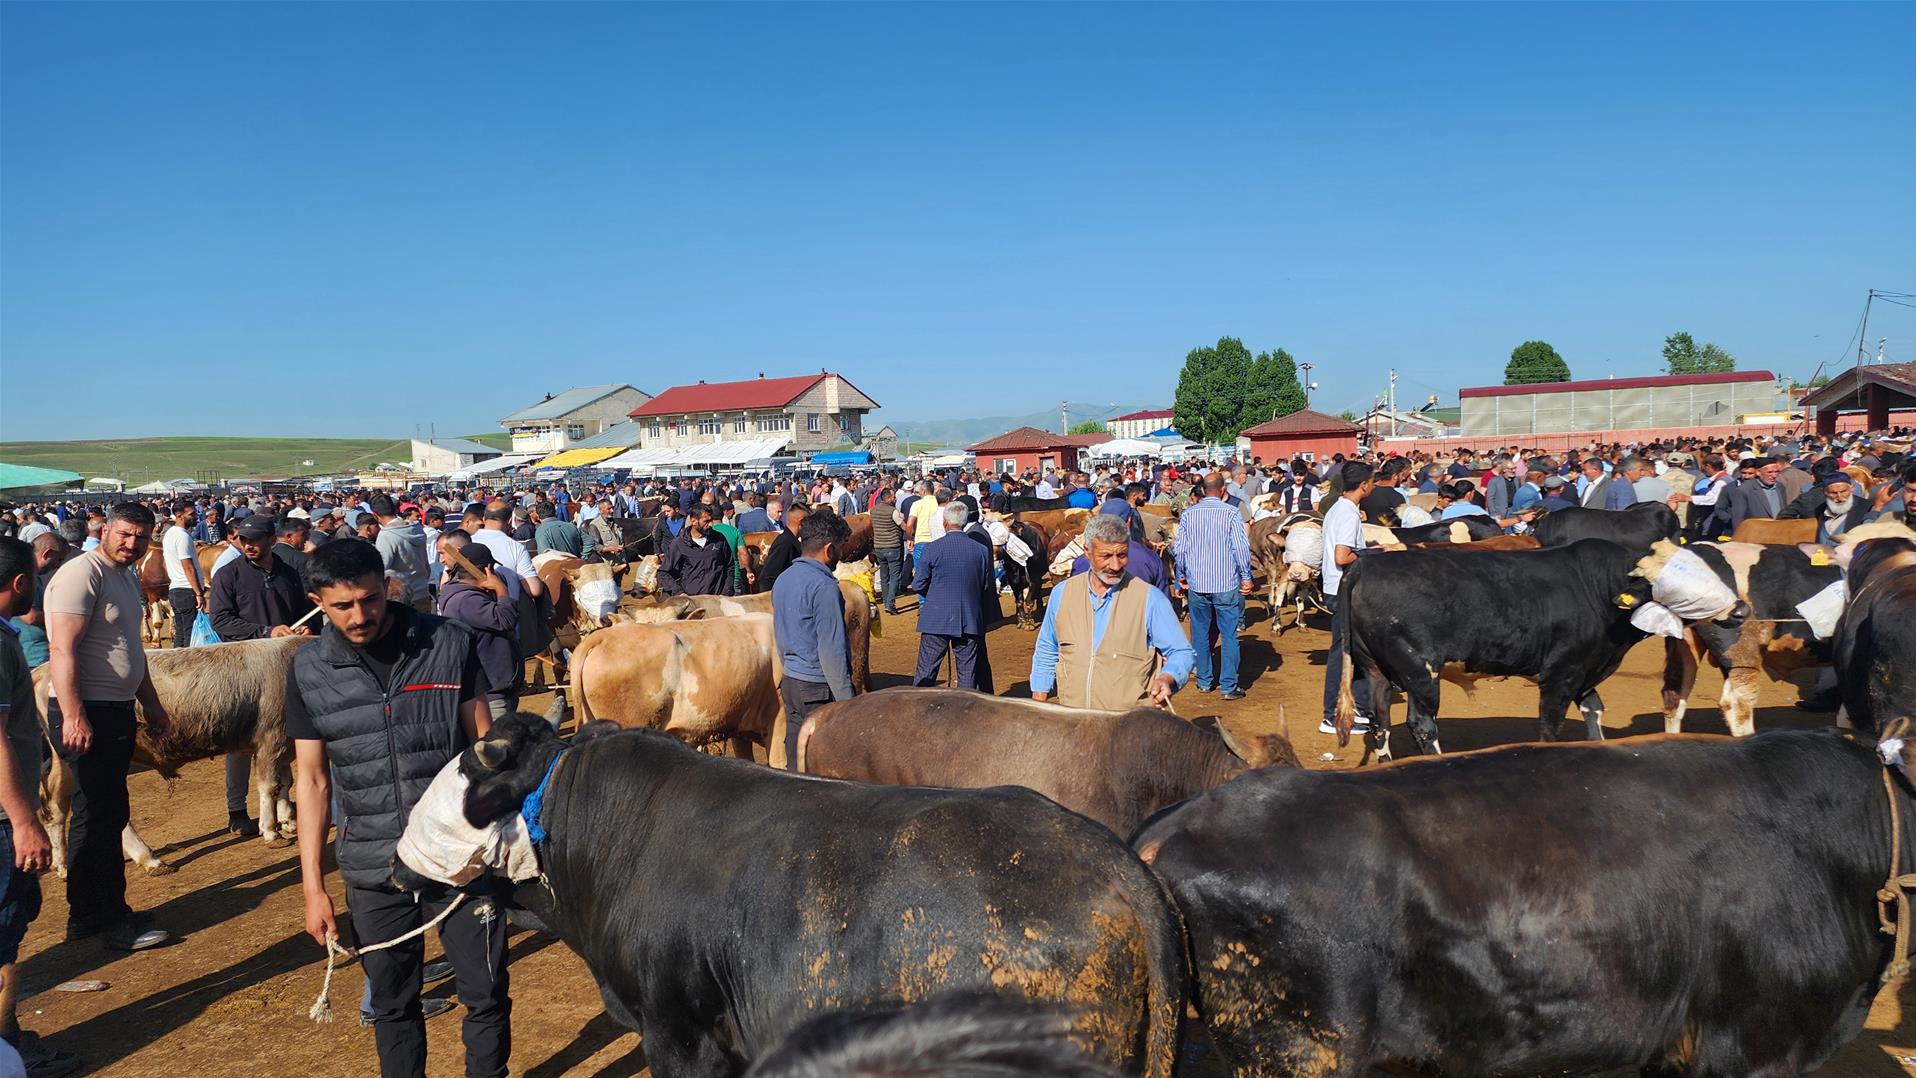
x=1393, y=402
x=1064, y=419
x=1306, y=368
x=1862, y=334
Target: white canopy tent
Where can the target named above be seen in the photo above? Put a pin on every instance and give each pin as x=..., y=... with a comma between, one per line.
x=1126, y=447
x=496, y=464
x=170, y=486
x=719, y=454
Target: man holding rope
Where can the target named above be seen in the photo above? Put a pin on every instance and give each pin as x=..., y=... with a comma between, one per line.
x=382, y=701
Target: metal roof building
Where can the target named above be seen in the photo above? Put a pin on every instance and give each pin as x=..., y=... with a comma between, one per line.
x=1610, y=404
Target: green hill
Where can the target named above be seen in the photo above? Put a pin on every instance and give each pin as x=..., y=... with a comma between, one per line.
x=142, y=460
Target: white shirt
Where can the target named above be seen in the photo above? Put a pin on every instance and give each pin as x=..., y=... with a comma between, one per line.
x=177, y=546
x=507, y=552
x=227, y=556
x=1343, y=526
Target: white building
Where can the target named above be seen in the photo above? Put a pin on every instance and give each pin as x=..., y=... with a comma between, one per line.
x=1139, y=424
x=806, y=413
x=580, y=413
x=438, y=456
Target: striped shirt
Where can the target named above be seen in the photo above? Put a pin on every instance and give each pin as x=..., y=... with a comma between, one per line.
x=1212, y=551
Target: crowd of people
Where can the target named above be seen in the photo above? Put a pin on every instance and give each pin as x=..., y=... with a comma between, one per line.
x=439, y=582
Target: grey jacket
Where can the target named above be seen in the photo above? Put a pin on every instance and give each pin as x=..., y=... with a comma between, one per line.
x=403, y=548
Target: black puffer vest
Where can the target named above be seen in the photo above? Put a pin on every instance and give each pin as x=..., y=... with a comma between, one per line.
x=384, y=747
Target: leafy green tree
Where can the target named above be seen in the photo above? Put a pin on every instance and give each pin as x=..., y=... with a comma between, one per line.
x=1089, y=426
x=1210, y=395
x=1347, y=416
x=1272, y=388
x=1535, y=361
x=1680, y=353
x=1714, y=360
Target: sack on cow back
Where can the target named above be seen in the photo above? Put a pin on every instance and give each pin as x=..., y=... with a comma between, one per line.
x=203, y=633
x=1304, y=544
x=1689, y=587
x=598, y=598
x=1825, y=608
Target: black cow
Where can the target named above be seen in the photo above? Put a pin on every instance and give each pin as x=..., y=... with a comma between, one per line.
x=1477, y=525
x=1027, y=581
x=1533, y=910
x=1558, y=614
x=957, y=1036
x=1774, y=640
x=720, y=905
x=1636, y=527
x=1876, y=638
x=1024, y=503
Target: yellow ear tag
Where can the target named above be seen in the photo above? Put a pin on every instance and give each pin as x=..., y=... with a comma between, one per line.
x=1820, y=557
x=1626, y=601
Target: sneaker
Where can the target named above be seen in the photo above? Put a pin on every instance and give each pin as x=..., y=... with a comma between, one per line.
x=429, y=1007
x=1231, y=694
x=130, y=936
x=1204, y=688
x=435, y=972
x=1360, y=726
x=241, y=824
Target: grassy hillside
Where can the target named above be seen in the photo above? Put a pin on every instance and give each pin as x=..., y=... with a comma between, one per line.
x=142, y=460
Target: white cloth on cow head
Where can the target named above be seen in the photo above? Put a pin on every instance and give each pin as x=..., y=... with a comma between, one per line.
x=1657, y=619
x=1304, y=543
x=440, y=845
x=1685, y=583
x=597, y=597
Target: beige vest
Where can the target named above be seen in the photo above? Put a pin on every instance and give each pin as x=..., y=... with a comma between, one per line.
x=1117, y=675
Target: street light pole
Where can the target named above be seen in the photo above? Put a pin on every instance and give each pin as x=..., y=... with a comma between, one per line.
x=1306, y=368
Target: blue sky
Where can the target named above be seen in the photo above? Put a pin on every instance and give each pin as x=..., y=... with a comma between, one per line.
x=348, y=219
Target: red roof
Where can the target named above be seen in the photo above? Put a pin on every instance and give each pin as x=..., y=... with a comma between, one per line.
x=1650, y=382
x=1033, y=438
x=1148, y=413
x=728, y=396
x=1303, y=421
x=1841, y=391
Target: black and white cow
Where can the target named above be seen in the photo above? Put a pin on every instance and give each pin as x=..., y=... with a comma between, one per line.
x=1635, y=528
x=721, y=905
x=1532, y=910
x=1557, y=615
x=1876, y=638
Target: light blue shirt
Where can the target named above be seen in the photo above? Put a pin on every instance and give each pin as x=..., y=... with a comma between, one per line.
x=1212, y=553
x=1463, y=509
x=1162, y=630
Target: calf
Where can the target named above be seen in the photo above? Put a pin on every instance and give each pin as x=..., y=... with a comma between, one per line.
x=1635, y=528
x=720, y=905
x=1117, y=767
x=1560, y=615
x=1774, y=640
x=221, y=698
x=1026, y=579
x=1876, y=638
x=1532, y=910
x=703, y=681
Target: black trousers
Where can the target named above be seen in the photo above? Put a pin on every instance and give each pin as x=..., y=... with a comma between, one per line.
x=184, y=611
x=475, y=941
x=96, y=877
x=800, y=698
x=974, y=664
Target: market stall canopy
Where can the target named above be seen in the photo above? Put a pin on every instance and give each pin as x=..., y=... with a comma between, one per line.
x=496, y=464
x=579, y=458
x=28, y=477
x=1126, y=447
x=847, y=456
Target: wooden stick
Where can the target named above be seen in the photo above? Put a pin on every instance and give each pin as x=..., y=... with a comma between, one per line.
x=306, y=618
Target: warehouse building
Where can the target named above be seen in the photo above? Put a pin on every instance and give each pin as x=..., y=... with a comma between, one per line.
x=1619, y=404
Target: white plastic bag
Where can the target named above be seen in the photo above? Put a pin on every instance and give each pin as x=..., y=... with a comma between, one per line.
x=1018, y=550
x=1824, y=608
x=1690, y=588
x=1304, y=543
x=1657, y=619
x=597, y=597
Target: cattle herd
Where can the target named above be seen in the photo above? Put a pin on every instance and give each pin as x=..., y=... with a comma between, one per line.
x=1018, y=887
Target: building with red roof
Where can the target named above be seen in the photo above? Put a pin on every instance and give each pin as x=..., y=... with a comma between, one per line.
x=1032, y=449
x=1304, y=433
x=806, y=412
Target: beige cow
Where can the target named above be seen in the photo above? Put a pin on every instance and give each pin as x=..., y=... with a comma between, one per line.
x=703, y=681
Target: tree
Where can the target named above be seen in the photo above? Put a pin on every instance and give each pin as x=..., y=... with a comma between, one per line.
x=1089, y=426
x=1272, y=388
x=1535, y=361
x=1347, y=416
x=1684, y=357
x=1209, y=403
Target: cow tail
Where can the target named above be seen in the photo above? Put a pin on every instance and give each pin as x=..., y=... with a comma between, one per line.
x=581, y=662
x=1346, y=701
x=1165, y=964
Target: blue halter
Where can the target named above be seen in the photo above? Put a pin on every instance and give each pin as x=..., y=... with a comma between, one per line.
x=535, y=803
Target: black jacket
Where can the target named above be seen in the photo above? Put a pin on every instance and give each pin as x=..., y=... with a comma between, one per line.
x=246, y=602
x=690, y=569
x=778, y=558
x=385, y=744
x=1810, y=505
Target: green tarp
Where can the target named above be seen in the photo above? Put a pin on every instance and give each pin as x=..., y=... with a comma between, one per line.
x=27, y=477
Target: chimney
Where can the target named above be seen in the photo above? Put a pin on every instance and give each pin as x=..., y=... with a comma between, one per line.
x=761, y=374
x=701, y=381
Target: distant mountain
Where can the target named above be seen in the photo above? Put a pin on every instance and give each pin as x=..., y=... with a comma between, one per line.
x=963, y=432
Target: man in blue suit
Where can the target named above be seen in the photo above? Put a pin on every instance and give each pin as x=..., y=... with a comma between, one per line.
x=954, y=585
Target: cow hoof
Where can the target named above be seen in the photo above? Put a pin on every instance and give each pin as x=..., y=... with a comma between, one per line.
x=159, y=868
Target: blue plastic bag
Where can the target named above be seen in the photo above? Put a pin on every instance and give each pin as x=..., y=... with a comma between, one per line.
x=203, y=633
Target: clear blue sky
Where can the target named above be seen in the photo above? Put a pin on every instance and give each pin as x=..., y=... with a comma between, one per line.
x=348, y=219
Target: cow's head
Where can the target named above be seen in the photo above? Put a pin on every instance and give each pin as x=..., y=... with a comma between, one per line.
x=469, y=819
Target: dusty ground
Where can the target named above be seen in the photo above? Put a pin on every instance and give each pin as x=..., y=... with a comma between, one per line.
x=231, y=998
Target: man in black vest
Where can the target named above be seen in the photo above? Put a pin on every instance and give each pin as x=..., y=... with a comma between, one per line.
x=382, y=701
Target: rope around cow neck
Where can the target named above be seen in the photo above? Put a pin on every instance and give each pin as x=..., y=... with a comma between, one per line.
x=322, y=1008
x=1895, y=890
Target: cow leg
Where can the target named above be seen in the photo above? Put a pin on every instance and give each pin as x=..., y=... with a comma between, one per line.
x=1421, y=696
x=1592, y=707
x=137, y=851
x=1739, y=701
x=56, y=808
x=1552, y=702
x=1679, y=677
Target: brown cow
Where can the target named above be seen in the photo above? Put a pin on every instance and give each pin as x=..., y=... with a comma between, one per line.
x=859, y=546
x=222, y=698
x=157, y=624
x=1765, y=532
x=701, y=681
x=1117, y=767
x=1495, y=542
x=858, y=620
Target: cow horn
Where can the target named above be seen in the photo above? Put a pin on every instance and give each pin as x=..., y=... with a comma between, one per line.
x=489, y=753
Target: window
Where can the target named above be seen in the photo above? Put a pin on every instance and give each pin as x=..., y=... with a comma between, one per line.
x=811, y=422
x=654, y=431
x=738, y=425
x=841, y=423
x=1007, y=465
x=709, y=426
x=575, y=430
x=774, y=423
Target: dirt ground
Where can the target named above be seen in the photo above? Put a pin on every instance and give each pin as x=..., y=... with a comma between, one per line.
x=231, y=998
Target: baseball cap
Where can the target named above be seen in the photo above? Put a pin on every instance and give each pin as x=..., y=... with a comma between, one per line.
x=1555, y=482
x=257, y=526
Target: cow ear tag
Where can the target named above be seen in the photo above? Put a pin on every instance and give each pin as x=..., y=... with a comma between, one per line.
x=1626, y=601
x=1820, y=557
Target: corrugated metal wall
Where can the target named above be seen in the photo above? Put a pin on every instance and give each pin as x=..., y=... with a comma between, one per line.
x=1616, y=409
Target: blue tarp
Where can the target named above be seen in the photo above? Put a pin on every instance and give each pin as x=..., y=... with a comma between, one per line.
x=1164, y=432
x=826, y=460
